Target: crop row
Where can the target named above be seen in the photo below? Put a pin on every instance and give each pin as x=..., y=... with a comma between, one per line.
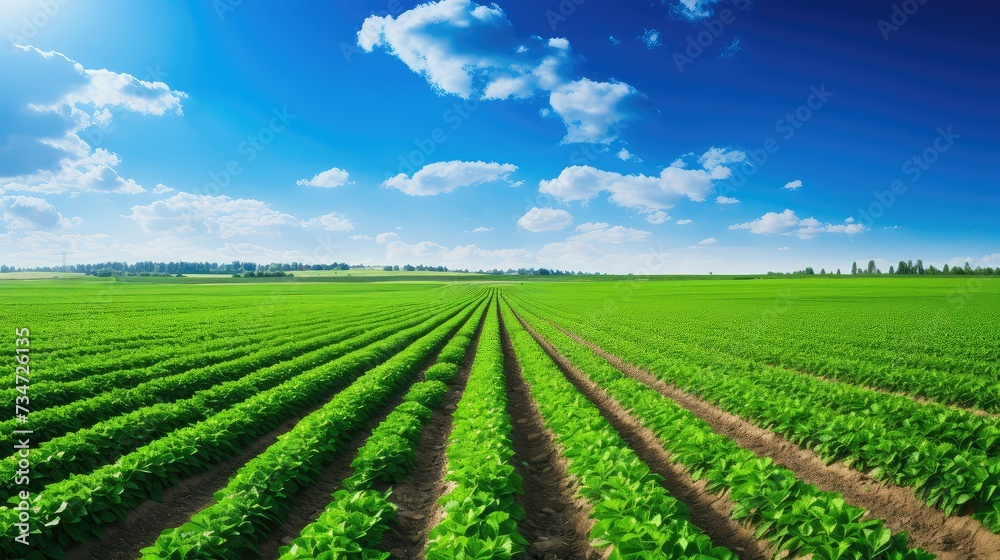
x=73, y=509
x=51, y=422
x=357, y=517
x=51, y=392
x=634, y=514
x=900, y=345
x=88, y=448
x=946, y=456
x=793, y=515
x=480, y=513
x=258, y=495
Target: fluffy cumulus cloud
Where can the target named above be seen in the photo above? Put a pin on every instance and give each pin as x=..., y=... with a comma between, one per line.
x=727, y=200
x=186, y=213
x=792, y=185
x=787, y=223
x=329, y=179
x=471, y=50
x=708, y=241
x=643, y=193
x=56, y=110
x=31, y=213
x=601, y=232
x=545, y=219
x=481, y=229
x=446, y=176
x=657, y=217
x=684, y=222
x=330, y=222
x=225, y=217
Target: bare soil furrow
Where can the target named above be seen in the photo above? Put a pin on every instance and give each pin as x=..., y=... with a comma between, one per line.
x=950, y=538
x=558, y=522
x=415, y=497
x=143, y=524
x=712, y=513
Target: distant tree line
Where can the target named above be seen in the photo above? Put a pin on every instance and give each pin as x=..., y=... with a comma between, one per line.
x=909, y=267
x=533, y=272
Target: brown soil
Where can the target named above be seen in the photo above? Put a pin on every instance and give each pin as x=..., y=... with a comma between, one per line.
x=711, y=513
x=123, y=540
x=915, y=398
x=309, y=502
x=558, y=522
x=949, y=538
x=416, y=495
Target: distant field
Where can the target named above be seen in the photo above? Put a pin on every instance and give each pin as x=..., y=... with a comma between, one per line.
x=836, y=417
x=41, y=275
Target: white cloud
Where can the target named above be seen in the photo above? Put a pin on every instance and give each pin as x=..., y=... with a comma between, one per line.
x=481, y=229
x=29, y=212
x=684, y=222
x=387, y=237
x=641, y=192
x=559, y=43
x=192, y=214
x=727, y=200
x=613, y=41
x=43, y=147
x=657, y=217
x=626, y=155
x=470, y=50
x=792, y=185
x=330, y=222
x=160, y=188
x=545, y=219
x=781, y=249
x=601, y=233
x=361, y=237
x=708, y=241
x=446, y=176
x=329, y=179
x=694, y=10
x=593, y=111
x=650, y=38
x=787, y=223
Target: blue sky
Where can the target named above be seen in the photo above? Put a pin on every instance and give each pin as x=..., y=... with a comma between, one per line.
x=682, y=136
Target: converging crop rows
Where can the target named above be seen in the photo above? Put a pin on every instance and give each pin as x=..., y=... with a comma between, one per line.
x=460, y=421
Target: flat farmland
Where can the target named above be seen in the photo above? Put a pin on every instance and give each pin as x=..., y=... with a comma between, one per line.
x=619, y=417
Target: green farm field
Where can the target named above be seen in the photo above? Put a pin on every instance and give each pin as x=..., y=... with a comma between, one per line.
x=424, y=416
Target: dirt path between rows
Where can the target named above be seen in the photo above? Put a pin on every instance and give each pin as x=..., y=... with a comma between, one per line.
x=916, y=398
x=949, y=538
x=712, y=513
x=558, y=521
x=415, y=497
x=143, y=524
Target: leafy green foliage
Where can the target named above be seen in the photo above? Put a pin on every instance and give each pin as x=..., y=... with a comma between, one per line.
x=480, y=514
x=634, y=515
x=794, y=515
